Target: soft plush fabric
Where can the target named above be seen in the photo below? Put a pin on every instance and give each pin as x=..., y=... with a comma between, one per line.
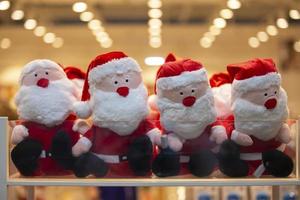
x=44, y=136
x=107, y=142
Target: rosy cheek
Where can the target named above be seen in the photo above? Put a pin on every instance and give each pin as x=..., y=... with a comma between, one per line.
x=53, y=76
x=28, y=81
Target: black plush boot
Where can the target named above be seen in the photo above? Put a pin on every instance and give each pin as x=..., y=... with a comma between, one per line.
x=25, y=156
x=167, y=163
x=89, y=164
x=61, y=150
x=277, y=163
x=140, y=155
x=202, y=163
x=229, y=160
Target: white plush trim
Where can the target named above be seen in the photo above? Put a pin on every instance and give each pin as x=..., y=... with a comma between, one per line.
x=38, y=64
x=185, y=78
x=116, y=66
x=240, y=87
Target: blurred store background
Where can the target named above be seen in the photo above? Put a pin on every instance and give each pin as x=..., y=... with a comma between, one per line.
x=215, y=32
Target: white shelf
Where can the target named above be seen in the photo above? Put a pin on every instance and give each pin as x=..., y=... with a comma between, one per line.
x=152, y=182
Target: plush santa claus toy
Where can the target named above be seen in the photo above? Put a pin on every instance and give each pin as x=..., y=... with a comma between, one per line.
x=221, y=88
x=77, y=76
x=119, y=144
x=188, y=118
x=259, y=132
x=44, y=136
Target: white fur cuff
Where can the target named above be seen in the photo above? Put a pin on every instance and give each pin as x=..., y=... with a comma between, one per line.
x=183, y=79
x=116, y=66
x=239, y=87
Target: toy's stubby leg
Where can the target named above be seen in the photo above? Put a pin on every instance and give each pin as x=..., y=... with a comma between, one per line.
x=140, y=155
x=229, y=160
x=277, y=163
x=167, y=163
x=90, y=164
x=202, y=163
x=61, y=150
x=25, y=156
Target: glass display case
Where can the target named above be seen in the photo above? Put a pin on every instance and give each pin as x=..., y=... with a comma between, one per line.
x=9, y=176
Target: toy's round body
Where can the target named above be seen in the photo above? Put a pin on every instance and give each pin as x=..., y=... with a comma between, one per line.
x=44, y=136
x=193, y=146
x=113, y=149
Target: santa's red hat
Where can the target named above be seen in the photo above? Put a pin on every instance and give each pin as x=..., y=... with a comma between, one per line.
x=74, y=73
x=39, y=64
x=219, y=79
x=253, y=74
x=178, y=73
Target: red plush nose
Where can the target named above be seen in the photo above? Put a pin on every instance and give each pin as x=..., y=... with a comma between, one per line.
x=271, y=103
x=43, y=82
x=123, y=91
x=188, y=101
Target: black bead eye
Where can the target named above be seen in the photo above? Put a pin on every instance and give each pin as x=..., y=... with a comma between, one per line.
x=46, y=73
x=266, y=94
x=127, y=80
x=181, y=93
x=275, y=92
x=116, y=82
x=35, y=75
x=193, y=91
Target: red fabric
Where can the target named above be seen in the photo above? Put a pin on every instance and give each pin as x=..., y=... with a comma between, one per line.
x=170, y=57
x=194, y=145
x=251, y=68
x=107, y=142
x=44, y=135
x=74, y=73
x=175, y=68
x=220, y=79
x=99, y=60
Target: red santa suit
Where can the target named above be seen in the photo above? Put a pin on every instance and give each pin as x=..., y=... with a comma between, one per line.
x=44, y=135
x=253, y=154
x=191, y=146
x=112, y=148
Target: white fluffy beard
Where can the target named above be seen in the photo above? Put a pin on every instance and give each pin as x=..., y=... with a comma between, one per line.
x=49, y=106
x=187, y=122
x=119, y=114
x=258, y=121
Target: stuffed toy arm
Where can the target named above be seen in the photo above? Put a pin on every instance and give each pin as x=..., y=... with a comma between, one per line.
x=241, y=138
x=82, y=146
x=80, y=126
x=82, y=109
x=174, y=142
x=154, y=135
x=284, y=135
x=19, y=133
x=218, y=134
